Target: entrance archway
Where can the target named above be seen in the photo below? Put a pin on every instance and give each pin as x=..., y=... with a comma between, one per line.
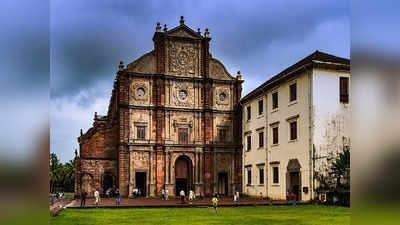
x=293, y=178
x=223, y=183
x=183, y=175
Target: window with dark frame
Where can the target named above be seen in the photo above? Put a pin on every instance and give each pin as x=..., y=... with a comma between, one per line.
x=261, y=175
x=183, y=135
x=275, y=135
x=248, y=112
x=140, y=132
x=261, y=139
x=249, y=176
x=222, y=134
x=260, y=107
x=293, y=92
x=249, y=143
x=344, y=89
x=293, y=130
x=275, y=100
x=276, y=175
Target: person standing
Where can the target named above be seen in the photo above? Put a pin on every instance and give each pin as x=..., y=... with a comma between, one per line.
x=163, y=194
x=83, y=199
x=182, y=194
x=117, y=197
x=215, y=202
x=97, y=197
x=294, y=196
x=287, y=197
x=166, y=194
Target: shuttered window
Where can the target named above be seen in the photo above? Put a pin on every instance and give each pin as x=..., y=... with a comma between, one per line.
x=275, y=100
x=293, y=130
x=249, y=176
x=248, y=112
x=344, y=90
x=275, y=135
x=261, y=175
x=261, y=139
x=183, y=135
x=293, y=92
x=260, y=107
x=222, y=135
x=249, y=143
x=276, y=175
x=140, y=132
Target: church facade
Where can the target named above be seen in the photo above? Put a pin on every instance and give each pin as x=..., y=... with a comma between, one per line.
x=173, y=123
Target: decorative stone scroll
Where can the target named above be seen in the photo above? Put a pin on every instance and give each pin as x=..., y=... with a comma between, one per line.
x=182, y=95
x=222, y=96
x=140, y=91
x=183, y=58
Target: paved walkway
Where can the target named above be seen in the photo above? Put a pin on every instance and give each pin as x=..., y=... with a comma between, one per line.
x=174, y=202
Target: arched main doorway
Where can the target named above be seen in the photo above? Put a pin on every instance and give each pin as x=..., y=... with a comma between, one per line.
x=183, y=175
x=293, y=177
x=108, y=185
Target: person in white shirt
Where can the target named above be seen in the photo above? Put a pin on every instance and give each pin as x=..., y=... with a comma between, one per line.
x=182, y=194
x=191, y=196
x=166, y=194
x=97, y=197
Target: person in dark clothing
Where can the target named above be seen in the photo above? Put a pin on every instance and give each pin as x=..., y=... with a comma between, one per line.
x=83, y=199
x=117, y=197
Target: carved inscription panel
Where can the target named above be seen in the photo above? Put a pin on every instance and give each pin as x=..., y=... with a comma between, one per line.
x=140, y=160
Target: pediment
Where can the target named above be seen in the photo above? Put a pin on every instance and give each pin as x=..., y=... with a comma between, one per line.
x=184, y=31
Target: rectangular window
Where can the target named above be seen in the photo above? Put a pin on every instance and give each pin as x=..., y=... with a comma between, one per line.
x=344, y=89
x=275, y=100
x=275, y=135
x=293, y=130
x=276, y=175
x=249, y=143
x=261, y=139
x=222, y=135
x=249, y=176
x=293, y=92
x=260, y=107
x=261, y=175
x=248, y=112
x=140, y=132
x=183, y=135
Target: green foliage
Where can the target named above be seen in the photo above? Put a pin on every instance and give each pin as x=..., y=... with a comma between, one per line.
x=307, y=214
x=61, y=175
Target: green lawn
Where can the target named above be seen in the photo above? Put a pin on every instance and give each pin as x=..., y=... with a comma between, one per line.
x=308, y=214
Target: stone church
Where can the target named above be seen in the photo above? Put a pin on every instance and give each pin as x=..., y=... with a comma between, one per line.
x=173, y=122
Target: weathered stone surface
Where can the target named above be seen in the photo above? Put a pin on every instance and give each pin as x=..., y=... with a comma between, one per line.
x=174, y=89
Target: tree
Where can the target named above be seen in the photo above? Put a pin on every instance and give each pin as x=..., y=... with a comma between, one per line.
x=61, y=175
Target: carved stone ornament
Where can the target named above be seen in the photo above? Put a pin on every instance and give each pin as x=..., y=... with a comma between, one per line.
x=140, y=92
x=181, y=95
x=222, y=97
x=182, y=58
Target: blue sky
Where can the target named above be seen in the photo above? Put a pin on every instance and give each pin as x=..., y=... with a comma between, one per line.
x=89, y=38
x=81, y=43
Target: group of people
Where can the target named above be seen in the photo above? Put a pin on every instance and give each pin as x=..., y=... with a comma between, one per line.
x=291, y=196
x=98, y=199
x=192, y=196
x=164, y=194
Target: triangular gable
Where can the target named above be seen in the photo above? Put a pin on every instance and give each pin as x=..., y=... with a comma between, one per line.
x=184, y=31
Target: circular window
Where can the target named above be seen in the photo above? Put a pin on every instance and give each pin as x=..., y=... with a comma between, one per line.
x=140, y=91
x=222, y=97
x=183, y=94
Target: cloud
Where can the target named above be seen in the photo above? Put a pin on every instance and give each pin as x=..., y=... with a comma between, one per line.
x=89, y=38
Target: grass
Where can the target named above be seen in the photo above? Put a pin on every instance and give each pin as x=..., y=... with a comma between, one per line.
x=307, y=214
